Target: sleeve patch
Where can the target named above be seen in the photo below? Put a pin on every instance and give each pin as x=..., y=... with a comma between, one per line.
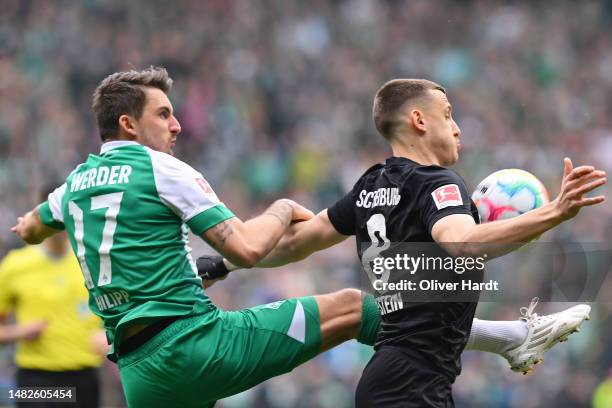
x=447, y=196
x=204, y=185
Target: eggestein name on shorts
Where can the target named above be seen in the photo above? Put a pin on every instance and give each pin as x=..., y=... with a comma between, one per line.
x=389, y=303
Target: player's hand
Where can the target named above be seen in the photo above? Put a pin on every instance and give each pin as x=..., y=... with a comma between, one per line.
x=30, y=331
x=99, y=345
x=576, y=183
x=211, y=267
x=300, y=213
x=20, y=227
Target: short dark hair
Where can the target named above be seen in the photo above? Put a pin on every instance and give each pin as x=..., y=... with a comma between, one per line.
x=122, y=93
x=392, y=96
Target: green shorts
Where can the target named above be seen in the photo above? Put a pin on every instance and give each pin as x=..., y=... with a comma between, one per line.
x=200, y=359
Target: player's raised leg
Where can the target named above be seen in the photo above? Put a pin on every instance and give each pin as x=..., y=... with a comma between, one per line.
x=345, y=315
x=523, y=342
x=221, y=353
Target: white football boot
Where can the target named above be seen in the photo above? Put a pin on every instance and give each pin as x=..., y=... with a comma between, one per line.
x=543, y=332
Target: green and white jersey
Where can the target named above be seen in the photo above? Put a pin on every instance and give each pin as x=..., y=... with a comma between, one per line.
x=126, y=212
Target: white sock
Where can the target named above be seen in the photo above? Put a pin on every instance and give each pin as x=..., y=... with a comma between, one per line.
x=496, y=336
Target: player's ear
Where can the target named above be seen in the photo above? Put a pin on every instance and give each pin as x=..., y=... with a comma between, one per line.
x=127, y=125
x=417, y=120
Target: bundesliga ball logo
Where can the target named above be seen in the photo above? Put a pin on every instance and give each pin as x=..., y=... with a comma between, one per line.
x=508, y=193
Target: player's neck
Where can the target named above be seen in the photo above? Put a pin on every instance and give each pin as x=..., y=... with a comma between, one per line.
x=414, y=152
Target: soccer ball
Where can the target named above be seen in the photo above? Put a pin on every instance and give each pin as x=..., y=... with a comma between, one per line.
x=508, y=193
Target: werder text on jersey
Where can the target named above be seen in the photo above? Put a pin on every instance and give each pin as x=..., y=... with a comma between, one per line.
x=100, y=176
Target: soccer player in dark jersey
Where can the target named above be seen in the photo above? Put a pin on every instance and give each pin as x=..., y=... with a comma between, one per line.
x=413, y=197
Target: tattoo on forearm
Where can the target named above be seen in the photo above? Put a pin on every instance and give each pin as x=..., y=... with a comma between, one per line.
x=282, y=210
x=221, y=232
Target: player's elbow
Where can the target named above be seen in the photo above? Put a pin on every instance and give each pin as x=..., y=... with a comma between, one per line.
x=464, y=249
x=460, y=246
x=245, y=258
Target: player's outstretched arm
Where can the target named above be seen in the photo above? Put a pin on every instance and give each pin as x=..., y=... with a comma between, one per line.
x=246, y=243
x=31, y=229
x=462, y=236
x=299, y=241
x=303, y=239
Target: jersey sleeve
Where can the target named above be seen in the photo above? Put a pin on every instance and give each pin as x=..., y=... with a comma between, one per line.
x=51, y=210
x=184, y=190
x=443, y=193
x=342, y=214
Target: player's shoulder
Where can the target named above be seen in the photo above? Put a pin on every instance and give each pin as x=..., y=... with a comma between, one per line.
x=433, y=173
x=167, y=163
x=76, y=169
x=367, y=177
x=371, y=170
x=434, y=170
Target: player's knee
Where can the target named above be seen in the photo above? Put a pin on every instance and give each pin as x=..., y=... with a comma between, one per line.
x=350, y=299
x=340, y=314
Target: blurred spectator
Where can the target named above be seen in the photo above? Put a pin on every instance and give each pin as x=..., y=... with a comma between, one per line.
x=59, y=342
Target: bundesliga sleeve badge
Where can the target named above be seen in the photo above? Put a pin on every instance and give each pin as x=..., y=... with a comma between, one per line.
x=204, y=185
x=447, y=196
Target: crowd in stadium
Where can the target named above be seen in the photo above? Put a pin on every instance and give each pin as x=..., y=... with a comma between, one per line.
x=274, y=100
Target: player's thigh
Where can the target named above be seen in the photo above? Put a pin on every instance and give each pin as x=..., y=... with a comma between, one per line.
x=266, y=341
x=196, y=361
x=172, y=368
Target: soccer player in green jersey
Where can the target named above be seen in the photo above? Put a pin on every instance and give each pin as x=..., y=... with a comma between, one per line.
x=127, y=211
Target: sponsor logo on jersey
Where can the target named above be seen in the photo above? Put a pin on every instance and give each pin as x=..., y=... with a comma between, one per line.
x=379, y=198
x=204, y=184
x=447, y=196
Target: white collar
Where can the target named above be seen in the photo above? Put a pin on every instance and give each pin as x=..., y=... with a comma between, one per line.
x=115, y=144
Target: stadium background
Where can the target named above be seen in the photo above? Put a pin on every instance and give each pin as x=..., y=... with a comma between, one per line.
x=274, y=99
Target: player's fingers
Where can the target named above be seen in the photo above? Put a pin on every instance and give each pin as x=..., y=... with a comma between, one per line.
x=301, y=213
x=576, y=183
x=579, y=172
x=567, y=166
x=14, y=228
x=588, y=187
x=585, y=202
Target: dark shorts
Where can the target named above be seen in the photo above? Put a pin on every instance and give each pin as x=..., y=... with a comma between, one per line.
x=393, y=379
x=86, y=382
